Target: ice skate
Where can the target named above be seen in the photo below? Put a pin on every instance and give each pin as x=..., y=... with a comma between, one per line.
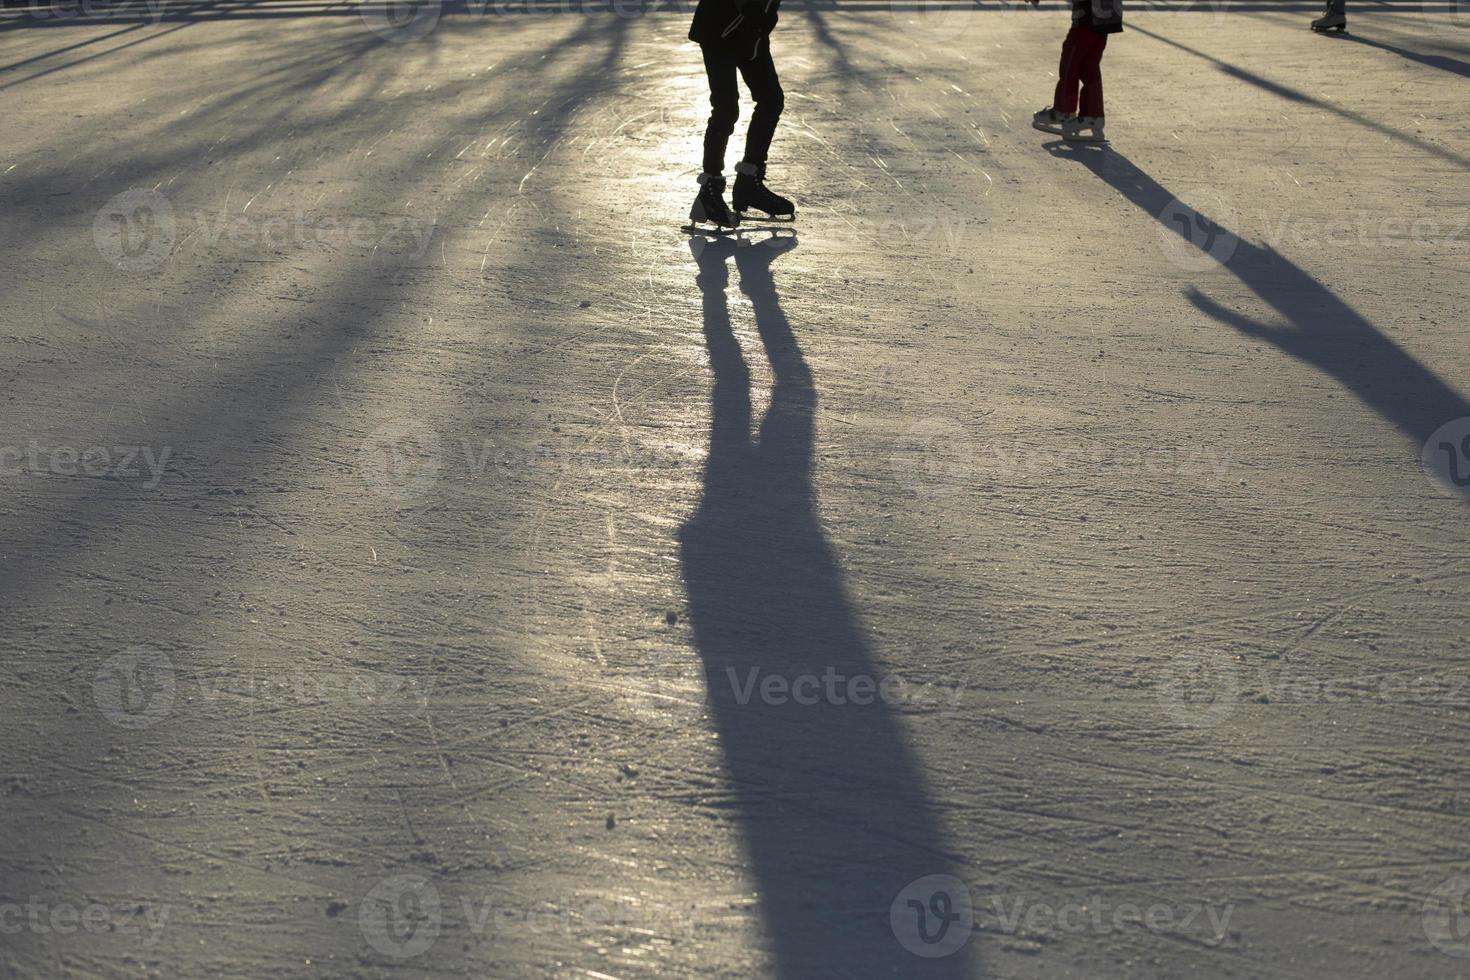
x=751, y=192
x=709, y=208
x=1084, y=129
x=1049, y=120
x=1333, y=19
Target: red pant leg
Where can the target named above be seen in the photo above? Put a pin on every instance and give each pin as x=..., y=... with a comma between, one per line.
x=1065, y=97
x=1081, y=64
x=1089, y=70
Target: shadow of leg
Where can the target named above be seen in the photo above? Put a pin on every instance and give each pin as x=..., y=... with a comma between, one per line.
x=830, y=799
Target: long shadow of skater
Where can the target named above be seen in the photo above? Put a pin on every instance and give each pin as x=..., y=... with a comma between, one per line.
x=1440, y=61
x=1303, y=98
x=834, y=812
x=1319, y=328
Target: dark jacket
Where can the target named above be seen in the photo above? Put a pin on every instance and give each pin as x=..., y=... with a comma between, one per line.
x=1103, y=16
x=736, y=28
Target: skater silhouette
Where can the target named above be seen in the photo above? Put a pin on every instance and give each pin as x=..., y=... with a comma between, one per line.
x=836, y=818
x=734, y=38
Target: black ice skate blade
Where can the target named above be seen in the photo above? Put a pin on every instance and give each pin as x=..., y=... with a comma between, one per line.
x=695, y=228
x=1340, y=29
x=775, y=228
x=783, y=219
x=1086, y=141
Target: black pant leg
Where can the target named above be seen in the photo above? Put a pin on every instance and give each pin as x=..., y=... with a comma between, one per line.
x=724, y=103
x=765, y=89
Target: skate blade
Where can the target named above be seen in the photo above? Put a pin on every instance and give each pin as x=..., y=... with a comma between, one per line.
x=1084, y=139
x=1339, y=29
x=784, y=219
x=696, y=229
x=1045, y=128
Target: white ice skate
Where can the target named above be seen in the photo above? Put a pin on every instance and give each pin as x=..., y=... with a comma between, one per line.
x=1084, y=129
x=1049, y=120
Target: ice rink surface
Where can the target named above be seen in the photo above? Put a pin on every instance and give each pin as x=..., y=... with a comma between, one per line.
x=421, y=558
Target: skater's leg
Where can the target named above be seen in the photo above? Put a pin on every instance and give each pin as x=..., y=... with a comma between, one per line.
x=765, y=90
x=724, y=103
x=1065, y=98
x=1089, y=71
x=750, y=173
x=1087, y=52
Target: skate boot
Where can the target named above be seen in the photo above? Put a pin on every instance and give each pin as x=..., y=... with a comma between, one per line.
x=1334, y=18
x=1049, y=120
x=709, y=207
x=751, y=192
x=1084, y=129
